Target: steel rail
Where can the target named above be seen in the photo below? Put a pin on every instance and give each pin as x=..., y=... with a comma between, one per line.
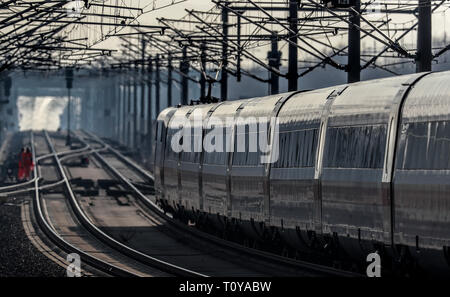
x=61, y=242
x=31, y=181
x=47, y=186
x=26, y=190
x=126, y=250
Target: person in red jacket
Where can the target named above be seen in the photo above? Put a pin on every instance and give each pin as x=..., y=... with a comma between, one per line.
x=28, y=163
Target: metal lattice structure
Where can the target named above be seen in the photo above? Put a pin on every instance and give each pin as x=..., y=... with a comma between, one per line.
x=289, y=39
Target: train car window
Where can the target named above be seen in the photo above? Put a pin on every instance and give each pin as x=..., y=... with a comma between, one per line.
x=170, y=154
x=253, y=149
x=186, y=155
x=246, y=148
x=193, y=154
x=297, y=148
x=216, y=157
x=355, y=147
x=197, y=147
x=427, y=146
x=239, y=157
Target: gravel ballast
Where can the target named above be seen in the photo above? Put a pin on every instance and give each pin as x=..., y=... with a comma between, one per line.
x=18, y=256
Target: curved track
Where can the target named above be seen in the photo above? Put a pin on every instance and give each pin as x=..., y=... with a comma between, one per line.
x=56, y=219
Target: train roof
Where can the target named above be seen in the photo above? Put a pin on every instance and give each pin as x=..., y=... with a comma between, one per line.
x=429, y=99
x=365, y=102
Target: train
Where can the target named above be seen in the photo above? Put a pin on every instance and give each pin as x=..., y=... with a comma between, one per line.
x=358, y=168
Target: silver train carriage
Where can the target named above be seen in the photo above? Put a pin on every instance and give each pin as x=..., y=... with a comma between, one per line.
x=366, y=164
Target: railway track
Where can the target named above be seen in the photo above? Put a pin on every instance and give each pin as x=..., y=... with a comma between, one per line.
x=132, y=175
x=62, y=241
x=56, y=217
x=145, y=262
x=27, y=186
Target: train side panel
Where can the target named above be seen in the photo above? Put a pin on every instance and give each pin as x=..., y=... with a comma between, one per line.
x=353, y=202
x=294, y=193
x=171, y=156
x=160, y=142
x=215, y=161
x=422, y=172
x=247, y=171
x=190, y=163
